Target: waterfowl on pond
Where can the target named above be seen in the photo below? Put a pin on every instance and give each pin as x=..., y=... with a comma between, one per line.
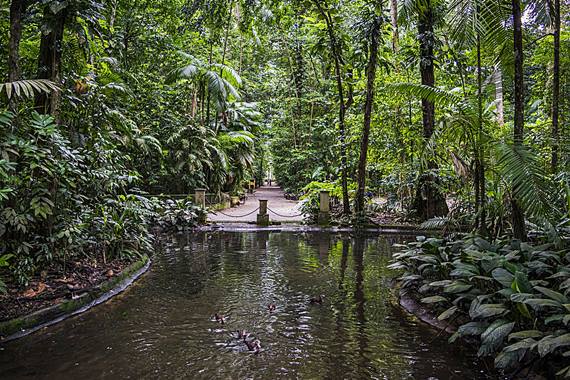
x=253, y=345
x=219, y=318
x=242, y=334
x=271, y=307
x=317, y=300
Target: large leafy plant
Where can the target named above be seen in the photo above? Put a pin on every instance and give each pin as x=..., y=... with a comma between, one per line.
x=512, y=296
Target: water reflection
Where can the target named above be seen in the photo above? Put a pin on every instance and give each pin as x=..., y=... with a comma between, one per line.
x=162, y=327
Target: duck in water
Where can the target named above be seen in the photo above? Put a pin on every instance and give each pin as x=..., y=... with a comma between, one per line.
x=317, y=300
x=242, y=334
x=271, y=307
x=219, y=318
x=253, y=345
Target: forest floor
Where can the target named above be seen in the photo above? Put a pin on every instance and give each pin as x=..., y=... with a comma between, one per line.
x=279, y=208
x=55, y=285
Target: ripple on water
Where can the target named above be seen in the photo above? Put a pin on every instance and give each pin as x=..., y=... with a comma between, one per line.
x=163, y=327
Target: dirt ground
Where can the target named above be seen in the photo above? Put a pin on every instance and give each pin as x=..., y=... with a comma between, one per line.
x=54, y=285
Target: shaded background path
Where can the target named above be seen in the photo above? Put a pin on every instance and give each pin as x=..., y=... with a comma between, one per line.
x=276, y=203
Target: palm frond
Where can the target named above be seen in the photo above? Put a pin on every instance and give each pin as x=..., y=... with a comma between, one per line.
x=530, y=185
x=433, y=94
x=28, y=87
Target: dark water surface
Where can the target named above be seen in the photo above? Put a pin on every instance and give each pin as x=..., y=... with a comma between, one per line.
x=162, y=328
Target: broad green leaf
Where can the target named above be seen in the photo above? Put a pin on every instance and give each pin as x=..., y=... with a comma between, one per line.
x=559, y=297
x=537, y=303
x=457, y=287
x=550, y=343
x=526, y=344
x=503, y=276
x=447, y=313
x=492, y=338
x=526, y=334
x=508, y=360
x=489, y=310
x=434, y=299
x=469, y=329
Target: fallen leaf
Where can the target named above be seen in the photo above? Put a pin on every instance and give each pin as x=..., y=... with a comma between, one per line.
x=30, y=293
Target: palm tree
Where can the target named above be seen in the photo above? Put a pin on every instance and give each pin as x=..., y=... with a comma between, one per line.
x=519, y=168
x=426, y=14
x=472, y=23
x=212, y=82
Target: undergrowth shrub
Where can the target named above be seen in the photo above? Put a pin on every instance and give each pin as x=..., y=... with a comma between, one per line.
x=513, y=297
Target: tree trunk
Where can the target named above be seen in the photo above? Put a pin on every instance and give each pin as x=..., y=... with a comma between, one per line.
x=49, y=62
x=371, y=77
x=481, y=218
x=556, y=88
x=113, y=15
x=335, y=50
x=224, y=51
x=425, y=30
x=394, y=20
x=498, y=79
x=429, y=201
x=17, y=9
x=519, y=231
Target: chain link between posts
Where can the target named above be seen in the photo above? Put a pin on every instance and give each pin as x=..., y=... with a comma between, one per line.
x=236, y=216
x=257, y=209
x=284, y=216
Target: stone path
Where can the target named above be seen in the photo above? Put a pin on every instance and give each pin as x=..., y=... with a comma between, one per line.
x=276, y=203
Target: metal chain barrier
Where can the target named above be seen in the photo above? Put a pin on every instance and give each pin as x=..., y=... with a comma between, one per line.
x=284, y=216
x=235, y=216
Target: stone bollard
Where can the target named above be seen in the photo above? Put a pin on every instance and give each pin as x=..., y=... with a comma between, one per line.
x=200, y=201
x=324, y=209
x=263, y=216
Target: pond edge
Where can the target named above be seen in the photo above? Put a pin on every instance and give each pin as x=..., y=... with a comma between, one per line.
x=413, y=307
x=30, y=323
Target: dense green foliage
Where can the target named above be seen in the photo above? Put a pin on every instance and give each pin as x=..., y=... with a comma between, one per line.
x=470, y=140
x=130, y=103
x=436, y=106
x=514, y=297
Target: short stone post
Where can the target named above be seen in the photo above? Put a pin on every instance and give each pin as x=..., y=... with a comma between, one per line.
x=263, y=216
x=324, y=209
x=200, y=201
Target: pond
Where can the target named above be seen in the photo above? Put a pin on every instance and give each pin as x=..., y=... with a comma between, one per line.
x=163, y=326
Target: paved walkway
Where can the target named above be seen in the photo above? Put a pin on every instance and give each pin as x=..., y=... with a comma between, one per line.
x=276, y=203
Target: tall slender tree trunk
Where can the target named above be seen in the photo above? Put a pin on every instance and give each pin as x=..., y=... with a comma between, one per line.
x=429, y=201
x=17, y=9
x=394, y=22
x=481, y=219
x=498, y=79
x=113, y=15
x=224, y=51
x=371, y=77
x=519, y=230
x=336, y=53
x=425, y=29
x=206, y=87
x=556, y=88
x=49, y=61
